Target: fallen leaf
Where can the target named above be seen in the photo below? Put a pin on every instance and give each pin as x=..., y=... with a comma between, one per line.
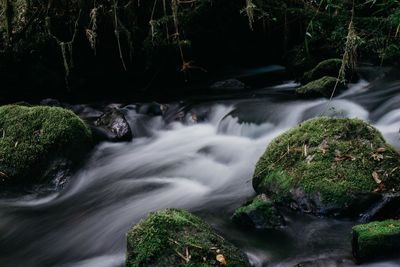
x=379, y=188
x=381, y=150
x=377, y=156
x=375, y=175
x=2, y=174
x=221, y=259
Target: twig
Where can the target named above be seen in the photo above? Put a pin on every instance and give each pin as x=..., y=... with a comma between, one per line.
x=116, y=32
x=186, y=259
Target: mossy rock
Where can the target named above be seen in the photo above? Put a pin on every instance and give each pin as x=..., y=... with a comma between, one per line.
x=259, y=213
x=31, y=138
x=328, y=166
x=376, y=240
x=328, y=67
x=321, y=87
x=167, y=237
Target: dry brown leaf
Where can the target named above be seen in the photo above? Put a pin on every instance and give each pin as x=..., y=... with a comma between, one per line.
x=221, y=259
x=377, y=156
x=381, y=150
x=2, y=174
x=296, y=149
x=375, y=175
x=379, y=188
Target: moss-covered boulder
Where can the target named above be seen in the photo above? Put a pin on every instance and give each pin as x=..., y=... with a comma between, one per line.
x=376, y=240
x=174, y=237
x=32, y=138
x=328, y=67
x=259, y=213
x=321, y=87
x=328, y=166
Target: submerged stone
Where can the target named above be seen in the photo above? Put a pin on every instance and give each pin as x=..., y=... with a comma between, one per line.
x=376, y=240
x=174, y=237
x=328, y=166
x=33, y=138
x=324, y=86
x=259, y=213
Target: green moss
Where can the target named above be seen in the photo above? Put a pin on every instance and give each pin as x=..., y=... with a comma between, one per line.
x=163, y=235
x=259, y=213
x=321, y=87
x=329, y=158
x=30, y=137
x=255, y=204
x=328, y=67
x=375, y=240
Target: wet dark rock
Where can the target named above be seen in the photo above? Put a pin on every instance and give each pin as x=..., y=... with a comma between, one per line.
x=154, y=109
x=85, y=112
x=112, y=126
x=324, y=263
x=59, y=171
x=230, y=84
x=386, y=207
x=259, y=213
x=50, y=102
x=313, y=203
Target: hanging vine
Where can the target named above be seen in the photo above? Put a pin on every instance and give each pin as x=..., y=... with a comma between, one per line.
x=91, y=30
x=117, y=35
x=66, y=47
x=249, y=10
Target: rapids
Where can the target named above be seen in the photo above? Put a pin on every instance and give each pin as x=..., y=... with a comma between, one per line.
x=203, y=163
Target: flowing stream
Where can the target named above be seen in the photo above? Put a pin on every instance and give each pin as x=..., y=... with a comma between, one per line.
x=203, y=163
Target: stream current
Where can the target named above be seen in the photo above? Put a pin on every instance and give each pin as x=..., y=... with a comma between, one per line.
x=203, y=163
